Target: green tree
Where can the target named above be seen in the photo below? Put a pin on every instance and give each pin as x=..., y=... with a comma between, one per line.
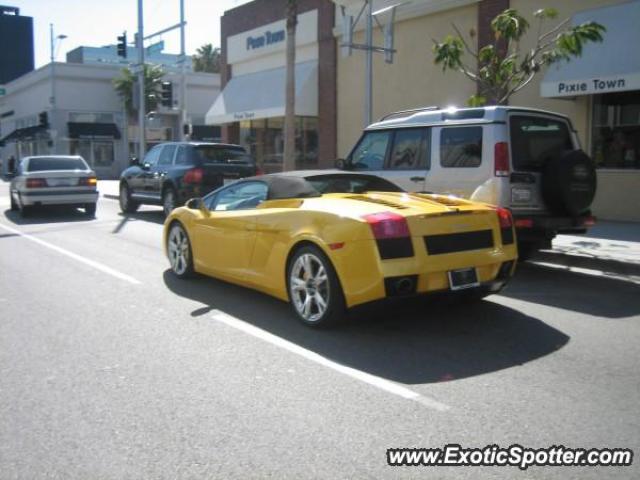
x=502, y=68
x=207, y=59
x=125, y=83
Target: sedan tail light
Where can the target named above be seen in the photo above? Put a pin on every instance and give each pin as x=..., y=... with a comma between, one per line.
x=36, y=182
x=88, y=181
x=193, y=176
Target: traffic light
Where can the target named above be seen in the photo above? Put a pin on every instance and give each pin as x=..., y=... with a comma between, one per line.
x=43, y=119
x=166, y=94
x=122, y=45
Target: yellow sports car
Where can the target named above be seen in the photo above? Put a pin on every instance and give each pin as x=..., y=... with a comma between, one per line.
x=327, y=241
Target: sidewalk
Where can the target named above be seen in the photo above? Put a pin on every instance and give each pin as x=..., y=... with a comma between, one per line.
x=612, y=247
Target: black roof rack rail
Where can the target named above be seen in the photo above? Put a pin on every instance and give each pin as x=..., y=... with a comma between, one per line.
x=406, y=112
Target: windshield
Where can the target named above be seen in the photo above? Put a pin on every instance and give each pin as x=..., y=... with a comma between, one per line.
x=53, y=163
x=536, y=139
x=221, y=155
x=351, y=184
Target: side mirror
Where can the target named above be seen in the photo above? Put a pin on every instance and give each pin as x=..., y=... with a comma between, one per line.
x=341, y=164
x=134, y=161
x=197, y=204
x=145, y=166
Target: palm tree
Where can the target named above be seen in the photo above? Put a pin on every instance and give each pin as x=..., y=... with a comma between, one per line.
x=124, y=85
x=289, y=157
x=207, y=59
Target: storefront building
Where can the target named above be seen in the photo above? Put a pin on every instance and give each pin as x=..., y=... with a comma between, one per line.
x=73, y=109
x=252, y=102
x=600, y=91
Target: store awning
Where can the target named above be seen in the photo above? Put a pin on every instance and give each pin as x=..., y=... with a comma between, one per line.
x=20, y=133
x=262, y=95
x=610, y=66
x=93, y=130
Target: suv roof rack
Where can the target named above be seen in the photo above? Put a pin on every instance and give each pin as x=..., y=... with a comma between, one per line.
x=406, y=112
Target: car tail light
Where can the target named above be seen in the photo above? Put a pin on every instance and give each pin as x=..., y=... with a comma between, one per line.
x=194, y=175
x=504, y=217
x=501, y=159
x=88, y=181
x=387, y=225
x=590, y=221
x=524, y=223
x=36, y=182
x=391, y=232
x=259, y=172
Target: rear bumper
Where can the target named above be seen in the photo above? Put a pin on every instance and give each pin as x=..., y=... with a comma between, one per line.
x=532, y=228
x=69, y=197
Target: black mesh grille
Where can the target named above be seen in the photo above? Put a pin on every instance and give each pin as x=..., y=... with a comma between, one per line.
x=458, y=242
x=395, y=248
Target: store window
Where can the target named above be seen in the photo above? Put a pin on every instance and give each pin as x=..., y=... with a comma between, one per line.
x=616, y=130
x=97, y=153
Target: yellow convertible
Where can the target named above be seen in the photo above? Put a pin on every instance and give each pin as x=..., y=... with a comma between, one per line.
x=327, y=241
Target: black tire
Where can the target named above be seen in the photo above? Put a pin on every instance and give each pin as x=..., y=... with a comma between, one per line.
x=328, y=291
x=169, y=200
x=569, y=182
x=127, y=205
x=90, y=209
x=178, y=243
x=14, y=205
x=25, y=210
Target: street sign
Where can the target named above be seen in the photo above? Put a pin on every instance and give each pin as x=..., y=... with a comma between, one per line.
x=155, y=48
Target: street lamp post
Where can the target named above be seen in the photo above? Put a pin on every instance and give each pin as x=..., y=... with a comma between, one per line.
x=52, y=98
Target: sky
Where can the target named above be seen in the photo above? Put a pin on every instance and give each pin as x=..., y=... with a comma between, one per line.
x=95, y=23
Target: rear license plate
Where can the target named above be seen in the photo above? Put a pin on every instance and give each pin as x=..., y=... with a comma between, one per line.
x=62, y=182
x=463, y=278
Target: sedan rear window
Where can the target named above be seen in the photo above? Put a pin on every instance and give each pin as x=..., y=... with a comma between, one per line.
x=536, y=139
x=53, y=163
x=221, y=155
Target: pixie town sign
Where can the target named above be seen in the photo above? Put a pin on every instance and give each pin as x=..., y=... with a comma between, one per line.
x=268, y=38
x=590, y=86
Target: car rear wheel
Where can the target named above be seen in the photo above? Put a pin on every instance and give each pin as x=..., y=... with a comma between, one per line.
x=25, y=210
x=90, y=209
x=127, y=205
x=314, y=289
x=179, y=251
x=168, y=200
x=14, y=205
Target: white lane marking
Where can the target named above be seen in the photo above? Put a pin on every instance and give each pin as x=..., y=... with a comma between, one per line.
x=381, y=383
x=86, y=261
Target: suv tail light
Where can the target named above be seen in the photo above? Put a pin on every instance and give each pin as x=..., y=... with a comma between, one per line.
x=391, y=232
x=387, y=225
x=36, y=182
x=88, y=181
x=501, y=159
x=194, y=175
x=506, y=225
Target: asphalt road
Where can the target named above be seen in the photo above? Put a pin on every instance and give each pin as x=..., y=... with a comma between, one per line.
x=112, y=368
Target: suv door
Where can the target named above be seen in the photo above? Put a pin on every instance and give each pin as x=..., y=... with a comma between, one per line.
x=137, y=180
x=159, y=171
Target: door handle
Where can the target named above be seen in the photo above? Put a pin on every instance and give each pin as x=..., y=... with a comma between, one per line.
x=417, y=179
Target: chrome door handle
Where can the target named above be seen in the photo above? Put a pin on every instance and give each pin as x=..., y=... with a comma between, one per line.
x=417, y=179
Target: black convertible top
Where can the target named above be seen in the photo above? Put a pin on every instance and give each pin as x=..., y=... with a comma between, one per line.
x=284, y=186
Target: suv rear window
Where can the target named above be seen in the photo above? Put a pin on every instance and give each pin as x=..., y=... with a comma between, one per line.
x=222, y=155
x=535, y=139
x=53, y=163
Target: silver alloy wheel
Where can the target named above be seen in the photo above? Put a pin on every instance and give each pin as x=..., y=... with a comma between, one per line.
x=309, y=285
x=178, y=248
x=169, y=201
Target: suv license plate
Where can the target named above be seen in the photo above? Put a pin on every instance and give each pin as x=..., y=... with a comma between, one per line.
x=463, y=278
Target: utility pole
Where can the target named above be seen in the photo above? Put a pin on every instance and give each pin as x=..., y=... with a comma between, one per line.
x=142, y=102
x=183, y=78
x=52, y=99
x=368, y=89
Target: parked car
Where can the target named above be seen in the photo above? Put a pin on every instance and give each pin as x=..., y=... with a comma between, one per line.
x=327, y=252
x=526, y=160
x=53, y=180
x=172, y=173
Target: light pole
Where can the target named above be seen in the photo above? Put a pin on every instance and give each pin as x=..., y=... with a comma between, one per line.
x=183, y=81
x=52, y=99
x=141, y=91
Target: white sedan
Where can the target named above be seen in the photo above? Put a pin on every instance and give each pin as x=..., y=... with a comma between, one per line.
x=54, y=180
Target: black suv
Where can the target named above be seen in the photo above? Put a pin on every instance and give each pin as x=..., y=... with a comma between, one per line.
x=172, y=173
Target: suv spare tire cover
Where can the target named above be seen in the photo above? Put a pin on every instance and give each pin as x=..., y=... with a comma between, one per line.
x=569, y=182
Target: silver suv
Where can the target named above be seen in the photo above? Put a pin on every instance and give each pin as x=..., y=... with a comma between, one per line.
x=523, y=159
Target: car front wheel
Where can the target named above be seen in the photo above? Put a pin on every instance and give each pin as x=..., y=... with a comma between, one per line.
x=314, y=289
x=179, y=251
x=127, y=205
